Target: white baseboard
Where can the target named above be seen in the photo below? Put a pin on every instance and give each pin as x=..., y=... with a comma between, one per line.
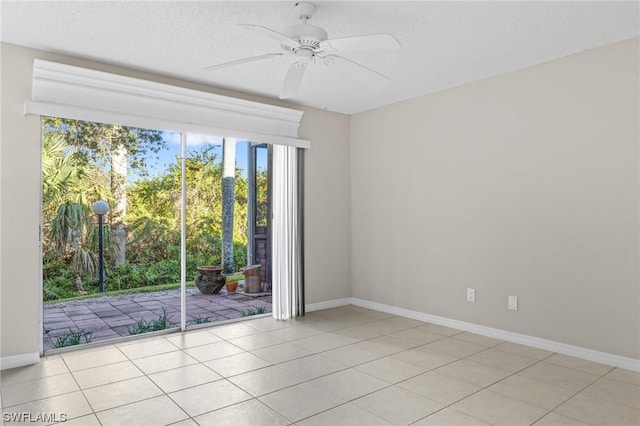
x=328, y=304
x=19, y=360
x=509, y=336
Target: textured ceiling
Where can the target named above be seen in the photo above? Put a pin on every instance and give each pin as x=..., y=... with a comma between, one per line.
x=445, y=44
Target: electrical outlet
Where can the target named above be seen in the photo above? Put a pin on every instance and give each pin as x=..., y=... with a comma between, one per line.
x=513, y=303
x=471, y=295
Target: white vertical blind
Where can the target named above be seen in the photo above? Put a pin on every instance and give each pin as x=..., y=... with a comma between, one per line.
x=286, y=234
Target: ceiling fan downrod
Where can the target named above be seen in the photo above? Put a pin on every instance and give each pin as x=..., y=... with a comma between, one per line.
x=308, y=35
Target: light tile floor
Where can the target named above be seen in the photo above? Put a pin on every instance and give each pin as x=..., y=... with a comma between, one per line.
x=340, y=366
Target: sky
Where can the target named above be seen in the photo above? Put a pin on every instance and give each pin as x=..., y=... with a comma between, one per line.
x=194, y=142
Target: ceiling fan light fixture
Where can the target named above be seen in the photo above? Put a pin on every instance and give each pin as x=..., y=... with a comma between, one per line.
x=304, y=54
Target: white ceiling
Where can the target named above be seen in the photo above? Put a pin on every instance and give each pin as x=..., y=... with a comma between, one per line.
x=445, y=44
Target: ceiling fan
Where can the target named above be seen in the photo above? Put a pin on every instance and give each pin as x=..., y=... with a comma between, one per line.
x=309, y=44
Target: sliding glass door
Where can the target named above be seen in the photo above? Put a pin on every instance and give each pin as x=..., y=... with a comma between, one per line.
x=259, y=241
x=142, y=229
x=111, y=231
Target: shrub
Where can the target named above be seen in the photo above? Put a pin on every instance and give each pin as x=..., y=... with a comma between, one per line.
x=257, y=311
x=54, y=265
x=58, y=288
x=125, y=276
x=200, y=320
x=163, y=272
x=142, y=326
x=239, y=255
x=143, y=267
x=234, y=277
x=72, y=338
x=52, y=292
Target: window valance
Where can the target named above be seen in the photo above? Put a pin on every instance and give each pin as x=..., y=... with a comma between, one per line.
x=67, y=91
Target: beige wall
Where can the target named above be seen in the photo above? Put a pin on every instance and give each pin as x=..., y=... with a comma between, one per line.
x=523, y=184
x=327, y=195
x=327, y=207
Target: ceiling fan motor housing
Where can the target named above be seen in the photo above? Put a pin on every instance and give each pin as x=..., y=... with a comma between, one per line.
x=307, y=34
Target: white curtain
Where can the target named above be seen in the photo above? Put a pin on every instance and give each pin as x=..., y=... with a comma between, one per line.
x=287, y=238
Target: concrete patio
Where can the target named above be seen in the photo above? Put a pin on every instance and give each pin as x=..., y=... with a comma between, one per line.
x=109, y=317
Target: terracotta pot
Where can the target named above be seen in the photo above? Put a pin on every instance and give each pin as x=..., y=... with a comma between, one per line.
x=232, y=286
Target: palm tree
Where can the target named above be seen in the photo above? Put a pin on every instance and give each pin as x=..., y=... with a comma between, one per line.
x=119, y=147
x=69, y=186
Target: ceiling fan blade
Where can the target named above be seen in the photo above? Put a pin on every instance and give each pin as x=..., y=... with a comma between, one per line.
x=268, y=32
x=242, y=61
x=360, y=43
x=292, y=80
x=356, y=72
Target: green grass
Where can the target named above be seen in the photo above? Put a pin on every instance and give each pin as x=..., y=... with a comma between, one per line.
x=200, y=320
x=145, y=289
x=142, y=326
x=235, y=277
x=72, y=338
x=257, y=311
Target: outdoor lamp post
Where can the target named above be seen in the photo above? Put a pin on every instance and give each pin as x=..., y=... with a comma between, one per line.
x=100, y=208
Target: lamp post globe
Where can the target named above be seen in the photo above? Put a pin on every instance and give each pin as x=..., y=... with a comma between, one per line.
x=100, y=208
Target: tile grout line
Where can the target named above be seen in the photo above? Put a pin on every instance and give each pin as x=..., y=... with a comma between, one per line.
x=354, y=367
x=287, y=387
x=222, y=377
x=81, y=390
x=391, y=385
x=347, y=367
x=576, y=393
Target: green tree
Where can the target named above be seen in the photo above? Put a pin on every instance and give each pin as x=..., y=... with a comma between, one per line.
x=262, y=203
x=154, y=210
x=228, y=189
x=153, y=216
x=69, y=187
x=116, y=148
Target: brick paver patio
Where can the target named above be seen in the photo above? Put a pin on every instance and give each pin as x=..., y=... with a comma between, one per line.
x=108, y=317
